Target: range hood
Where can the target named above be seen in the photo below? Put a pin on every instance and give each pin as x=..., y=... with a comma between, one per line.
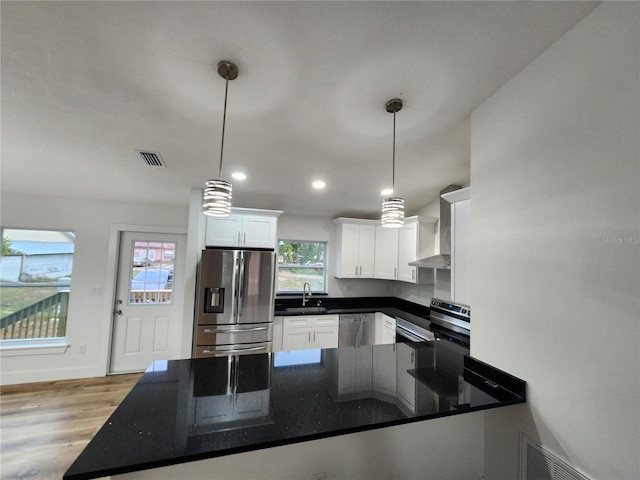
x=441, y=261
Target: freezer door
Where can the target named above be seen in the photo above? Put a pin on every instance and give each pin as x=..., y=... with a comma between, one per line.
x=217, y=287
x=234, y=334
x=256, y=286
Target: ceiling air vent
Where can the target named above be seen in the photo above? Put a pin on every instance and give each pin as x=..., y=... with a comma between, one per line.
x=152, y=159
x=536, y=463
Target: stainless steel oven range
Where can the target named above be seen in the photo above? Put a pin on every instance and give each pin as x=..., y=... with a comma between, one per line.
x=451, y=321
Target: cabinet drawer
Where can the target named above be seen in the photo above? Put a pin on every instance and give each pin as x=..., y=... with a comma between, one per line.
x=326, y=320
x=301, y=321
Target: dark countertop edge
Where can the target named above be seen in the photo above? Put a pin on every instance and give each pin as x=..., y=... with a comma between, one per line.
x=490, y=375
x=279, y=443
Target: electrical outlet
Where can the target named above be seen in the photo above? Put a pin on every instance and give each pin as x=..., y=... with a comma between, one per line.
x=82, y=348
x=319, y=476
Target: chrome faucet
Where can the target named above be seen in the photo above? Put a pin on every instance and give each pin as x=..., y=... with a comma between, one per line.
x=306, y=287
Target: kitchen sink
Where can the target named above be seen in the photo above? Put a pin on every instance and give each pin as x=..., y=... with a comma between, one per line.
x=306, y=309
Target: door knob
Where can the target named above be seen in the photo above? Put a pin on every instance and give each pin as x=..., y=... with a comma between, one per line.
x=118, y=311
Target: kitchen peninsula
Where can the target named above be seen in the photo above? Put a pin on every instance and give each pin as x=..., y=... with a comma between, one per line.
x=195, y=409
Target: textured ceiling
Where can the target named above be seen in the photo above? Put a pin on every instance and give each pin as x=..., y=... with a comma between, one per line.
x=85, y=85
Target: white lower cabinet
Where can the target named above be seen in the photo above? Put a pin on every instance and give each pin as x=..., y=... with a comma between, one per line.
x=310, y=331
x=385, y=329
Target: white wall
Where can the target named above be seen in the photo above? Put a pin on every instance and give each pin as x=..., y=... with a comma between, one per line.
x=89, y=314
x=555, y=169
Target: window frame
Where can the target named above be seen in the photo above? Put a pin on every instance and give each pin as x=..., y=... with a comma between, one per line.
x=324, y=267
x=41, y=345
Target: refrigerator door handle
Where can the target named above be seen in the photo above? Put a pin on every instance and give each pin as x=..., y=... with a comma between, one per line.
x=241, y=286
x=237, y=350
x=234, y=330
x=234, y=281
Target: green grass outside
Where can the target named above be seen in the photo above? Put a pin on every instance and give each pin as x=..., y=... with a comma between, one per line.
x=13, y=299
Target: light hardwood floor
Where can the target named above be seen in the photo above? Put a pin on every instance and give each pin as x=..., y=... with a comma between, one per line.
x=45, y=426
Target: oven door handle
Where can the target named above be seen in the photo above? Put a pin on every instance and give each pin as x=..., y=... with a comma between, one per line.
x=410, y=335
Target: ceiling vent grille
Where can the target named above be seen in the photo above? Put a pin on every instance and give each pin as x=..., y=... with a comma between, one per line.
x=152, y=159
x=536, y=463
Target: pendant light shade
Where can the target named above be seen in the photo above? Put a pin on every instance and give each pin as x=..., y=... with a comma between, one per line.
x=216, y=200
x=393, y=207
x=393, y=212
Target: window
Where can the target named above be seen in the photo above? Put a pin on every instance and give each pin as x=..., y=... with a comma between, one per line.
x=301, y=262
x=151, y=273
x=35, y=280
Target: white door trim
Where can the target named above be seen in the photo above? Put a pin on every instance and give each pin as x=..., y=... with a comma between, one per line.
x=111, y=277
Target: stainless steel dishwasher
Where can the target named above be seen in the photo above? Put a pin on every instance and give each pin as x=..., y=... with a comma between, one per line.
x=356, y=330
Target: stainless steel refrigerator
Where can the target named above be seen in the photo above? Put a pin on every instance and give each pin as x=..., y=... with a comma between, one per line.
x=234, y=302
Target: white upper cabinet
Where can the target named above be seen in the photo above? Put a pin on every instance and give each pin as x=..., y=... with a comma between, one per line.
x=244, y=228
x=386, y=253
x=416, y=239
x=460, y=244
x=355, y=241
x=365, y=249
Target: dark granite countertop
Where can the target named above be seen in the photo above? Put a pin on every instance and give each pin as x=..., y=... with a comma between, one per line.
x=188, y=410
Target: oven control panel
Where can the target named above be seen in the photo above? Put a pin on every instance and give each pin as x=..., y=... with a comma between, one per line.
x=451, y=308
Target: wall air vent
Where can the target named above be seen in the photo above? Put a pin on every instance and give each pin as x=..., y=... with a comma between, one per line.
x=151, y=159
x=536, y=463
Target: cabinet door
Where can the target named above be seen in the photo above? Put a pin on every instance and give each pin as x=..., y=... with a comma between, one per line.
x=325, y=337
x=407, y=251
x=366, y=251
x=349, y=251
x=258, y=231
x=296, y=339
x=386, y=253
x=223, y=231
x=388, y=334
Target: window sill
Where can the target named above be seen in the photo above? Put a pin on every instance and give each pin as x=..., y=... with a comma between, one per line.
x=44, y=346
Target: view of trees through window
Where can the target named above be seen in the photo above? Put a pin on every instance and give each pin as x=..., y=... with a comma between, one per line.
x=301, y=262
x=35, y=278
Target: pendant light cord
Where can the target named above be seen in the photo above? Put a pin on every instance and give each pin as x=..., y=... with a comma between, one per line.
x=224, y=120
x=393, y=168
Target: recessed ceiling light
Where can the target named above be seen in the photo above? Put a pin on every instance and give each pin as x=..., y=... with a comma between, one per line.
x=239, y=176
x=318, y=184
x=386, y=191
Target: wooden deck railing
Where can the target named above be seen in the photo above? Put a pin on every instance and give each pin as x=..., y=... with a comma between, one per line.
x=150, y=296
x=46, y=318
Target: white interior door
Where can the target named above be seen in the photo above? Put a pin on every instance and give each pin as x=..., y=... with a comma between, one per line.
x=147, y=321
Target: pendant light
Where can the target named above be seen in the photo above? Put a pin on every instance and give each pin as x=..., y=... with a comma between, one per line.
x=393, y=207
x=216, y=200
